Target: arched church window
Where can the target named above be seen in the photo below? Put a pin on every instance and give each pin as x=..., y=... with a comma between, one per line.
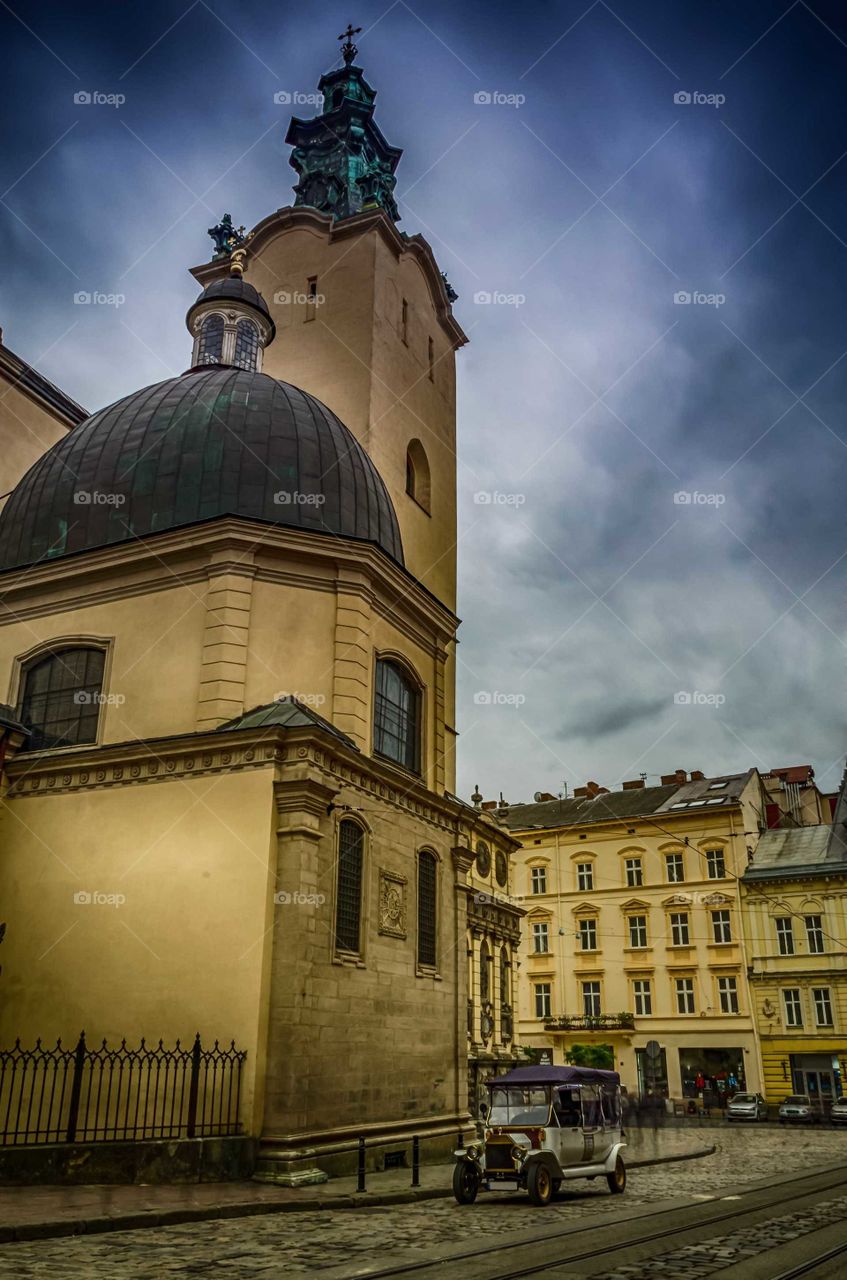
x=427, y=909
x=484, y=973
x=60, y=698
x=211, y=345
x=348, y=901
x=396, y=716
x=417, y=474
x=246, y=345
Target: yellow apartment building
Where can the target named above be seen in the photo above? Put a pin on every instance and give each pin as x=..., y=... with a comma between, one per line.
x=633, y=934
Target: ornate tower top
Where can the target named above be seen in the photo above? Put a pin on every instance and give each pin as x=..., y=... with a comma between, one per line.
x=343, y=162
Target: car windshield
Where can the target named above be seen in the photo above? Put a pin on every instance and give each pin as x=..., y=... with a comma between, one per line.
x=798, y=1100
x=744, y=1097
x=520, y=1106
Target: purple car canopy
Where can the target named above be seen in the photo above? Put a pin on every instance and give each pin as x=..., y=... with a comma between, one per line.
x=529, y=1077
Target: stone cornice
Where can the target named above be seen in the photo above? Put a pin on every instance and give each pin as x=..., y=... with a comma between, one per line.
x=293, y=216
x=188, y=556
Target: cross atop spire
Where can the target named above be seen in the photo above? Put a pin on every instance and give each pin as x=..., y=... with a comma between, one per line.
x=348, y=49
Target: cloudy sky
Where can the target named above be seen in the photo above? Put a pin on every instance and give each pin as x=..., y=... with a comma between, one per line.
x=654, y=195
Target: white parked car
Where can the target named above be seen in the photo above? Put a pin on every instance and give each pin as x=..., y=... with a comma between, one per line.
x=798, y=1108
x=838, y=1112
x=747, y=1106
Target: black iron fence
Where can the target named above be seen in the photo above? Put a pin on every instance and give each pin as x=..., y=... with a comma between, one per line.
x=118, y=1095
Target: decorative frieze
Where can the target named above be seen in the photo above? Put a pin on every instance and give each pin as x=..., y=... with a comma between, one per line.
x=392, y=904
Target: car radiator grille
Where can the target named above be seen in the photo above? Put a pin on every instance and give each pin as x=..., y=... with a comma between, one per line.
x=498, y=1157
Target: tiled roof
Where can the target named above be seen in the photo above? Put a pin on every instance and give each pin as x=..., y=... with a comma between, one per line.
x=795, y=851
x=285, y=713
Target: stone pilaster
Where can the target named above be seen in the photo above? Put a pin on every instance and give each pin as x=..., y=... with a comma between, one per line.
x=351, y=682
x=223, y=669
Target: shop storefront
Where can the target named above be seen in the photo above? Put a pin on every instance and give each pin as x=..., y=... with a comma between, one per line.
x=715, y=1074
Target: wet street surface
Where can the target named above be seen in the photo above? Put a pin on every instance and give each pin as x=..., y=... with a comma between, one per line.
x=347, y=1241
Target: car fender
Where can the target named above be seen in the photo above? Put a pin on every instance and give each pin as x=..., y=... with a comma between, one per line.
x=548, y=1159
x=612, y=1157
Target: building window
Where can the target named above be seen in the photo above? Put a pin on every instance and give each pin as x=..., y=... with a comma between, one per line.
x=643, y=997
x=584, y=875
x=541, y=938
x=684, y=995
x=418, y=484
x=721, y=926
x=674, y=868
x=246, y=345
x=396, y=716
x=680, y=936
x=823, y=1006
x=634, y=873
x=728, y=994
x=484, y=973
x=211, y=345
x=793, y=1007
x=505, y=985
x=348, y=902
x=588, y=935
x=715, y=864
x=427, y=914
x=60, y=698
x=814, y=935
x=543, y=1001
x=404, y=321
x=591, y=999
x=538, y=878
x=637, y=931
x=430, y=355
x=785, y=935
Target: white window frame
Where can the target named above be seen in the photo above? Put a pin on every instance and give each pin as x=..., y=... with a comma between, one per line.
x=822, y=998
x=585, y=876
x=721, y=926
x=680, y=929
x=792, y=1007
x=784, y=926
x=814, y=935
x=634, y=869
x=677, y=861
x=538, y=880
x=540, y=935
x=591, y=994
x=543, y=993
x=716, y=864
x=642, y=997
x=685, y=1002
x=587, y=929
x=637, y=932
x=728, y=993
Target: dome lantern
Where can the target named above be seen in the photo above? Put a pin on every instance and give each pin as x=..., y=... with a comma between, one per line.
x=230, y=321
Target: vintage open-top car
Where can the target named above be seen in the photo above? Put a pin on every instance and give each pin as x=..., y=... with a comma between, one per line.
x=545, y=1125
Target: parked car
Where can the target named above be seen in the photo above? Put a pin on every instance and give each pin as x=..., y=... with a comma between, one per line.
x=798, y=1108
x=838, y=1111
x=747, y=1106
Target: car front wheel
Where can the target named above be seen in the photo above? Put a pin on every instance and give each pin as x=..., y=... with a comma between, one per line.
x=465, y=1182
x=539, y=1184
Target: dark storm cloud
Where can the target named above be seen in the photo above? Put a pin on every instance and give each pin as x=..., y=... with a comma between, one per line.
x=591, y=598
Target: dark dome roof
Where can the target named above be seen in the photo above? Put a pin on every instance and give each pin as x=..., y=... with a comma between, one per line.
x=213, y=442
x=235, y=288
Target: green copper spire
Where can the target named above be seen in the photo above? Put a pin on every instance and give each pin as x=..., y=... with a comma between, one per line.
x=343, y=162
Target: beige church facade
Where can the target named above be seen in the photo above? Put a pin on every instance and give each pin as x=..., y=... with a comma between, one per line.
x=228, y=674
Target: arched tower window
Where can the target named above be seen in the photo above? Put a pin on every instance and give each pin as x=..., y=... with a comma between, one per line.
x=246, y=345
x=210, y=349
x=397, y=716
x=427, y=909
x=60, y=698
x=348, y=900
x=417, y=475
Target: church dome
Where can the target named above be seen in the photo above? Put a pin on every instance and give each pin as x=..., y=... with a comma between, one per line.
x=214, y=442
x=232, y=288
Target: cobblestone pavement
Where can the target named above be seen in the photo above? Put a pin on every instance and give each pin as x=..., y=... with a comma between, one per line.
x=306, y=1243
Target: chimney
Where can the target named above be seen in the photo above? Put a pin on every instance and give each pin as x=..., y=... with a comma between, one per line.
x=681, y=777
x=489, y=804
x=633, y=784
x=580, y=792
x=592, y=789
x=668, y=778
x=543, y=796
x=697, y=775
